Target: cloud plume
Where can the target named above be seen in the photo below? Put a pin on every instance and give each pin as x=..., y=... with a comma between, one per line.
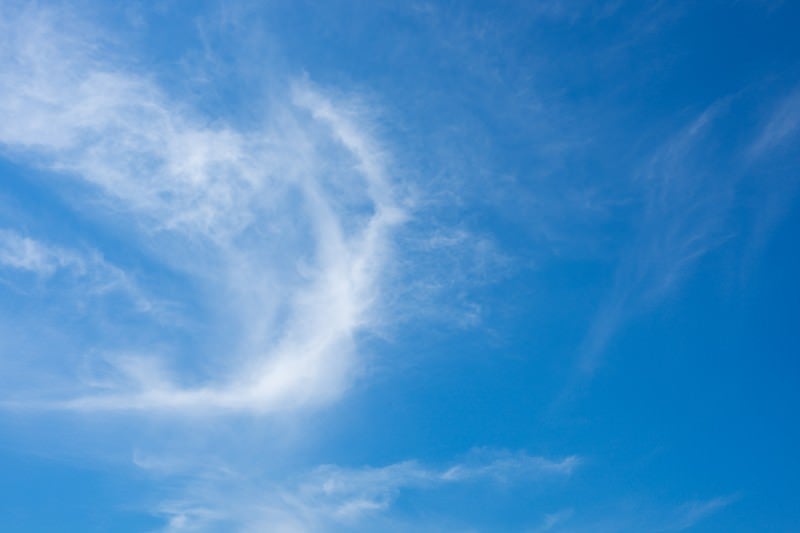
x=288, y=225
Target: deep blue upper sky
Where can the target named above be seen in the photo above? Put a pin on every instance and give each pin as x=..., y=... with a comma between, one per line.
x=399, y=266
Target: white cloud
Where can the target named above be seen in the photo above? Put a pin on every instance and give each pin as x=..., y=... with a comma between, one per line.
x=633, y=514
x=682, y=218
x=684, y=214
x=91, y=274
x=331, y=497
x=27, y=254
x=288, y=226
x=554, y=520
x=780, y=127
x=690, y=513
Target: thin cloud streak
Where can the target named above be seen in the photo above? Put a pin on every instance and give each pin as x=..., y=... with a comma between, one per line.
x=684, y=215
x=682, y=219
x=632, y=517
x=89, y=272
x=23, y=253
x=330, y=497
x=780, y=127
x=690, y=513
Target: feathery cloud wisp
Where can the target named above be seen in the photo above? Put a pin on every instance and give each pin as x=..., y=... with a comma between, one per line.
x=682, y=217
x=287, y=226
x=329, y=497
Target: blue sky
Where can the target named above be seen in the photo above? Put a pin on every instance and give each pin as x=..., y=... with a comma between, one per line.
x=410, y=266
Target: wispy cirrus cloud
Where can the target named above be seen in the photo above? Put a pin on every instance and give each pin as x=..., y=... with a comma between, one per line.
x=767, y=151
x=24, y=253
x=333, y=498
x=686, y=204
x=286, y=226
x=690, y=513
x=682, y=217
x=632, y=516
x=781, y=125
x=89, y=272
